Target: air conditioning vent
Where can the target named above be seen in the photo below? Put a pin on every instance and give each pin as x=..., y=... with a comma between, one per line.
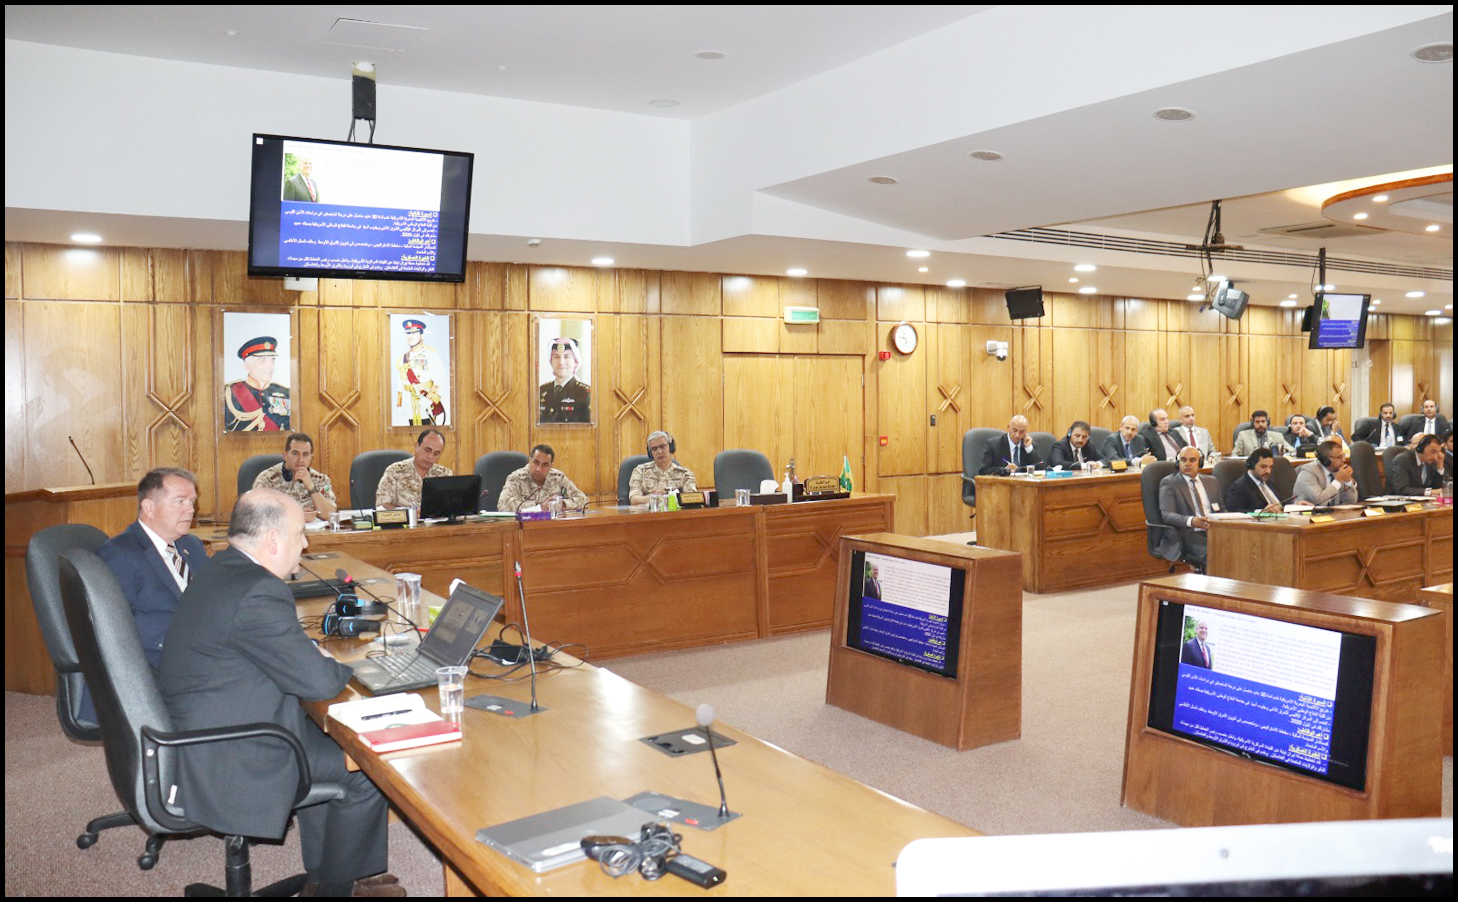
x=1321, y=231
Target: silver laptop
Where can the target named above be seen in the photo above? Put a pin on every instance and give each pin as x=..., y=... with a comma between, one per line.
x=449, y=643
x=554, y=838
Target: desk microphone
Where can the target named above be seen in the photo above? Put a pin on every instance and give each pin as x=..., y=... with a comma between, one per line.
x=83, y=460
x=379, y=607
x=527, y=628
x=705, y=714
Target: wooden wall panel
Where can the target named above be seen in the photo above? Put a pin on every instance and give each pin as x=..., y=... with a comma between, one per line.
x=1205, y=380
x=566, y=289
x=694, y=293
x=17, y=424
x=70, y=273
x=949, y=394
x=1075, y=377
x=167, y=411
x=845, y=300
x=694, y=392
x=762, y=416
x=828, y=414
x=902, y=402
x=751, y=296
x=913, y=503
x=990, y=388
x=897, y=303
x=73, y=369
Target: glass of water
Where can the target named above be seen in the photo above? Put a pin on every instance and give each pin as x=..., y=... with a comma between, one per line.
x=452, y=684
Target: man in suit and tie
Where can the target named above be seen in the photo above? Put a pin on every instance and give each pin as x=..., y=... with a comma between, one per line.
x=155, y=558
x=1301, y=436
x=1072, y=451
x=1127, y=444
x=1329, y=481
x=1198, y=436
x=872, y=587
x=1186, y=500
x=1327, y=427
x=1259, y=435
x=1164, y=443
x=1008, y=455
x=1419, y=471
x=1197, y=650
x=236, y=654
x=1252, y=492
x=1432, y=423
x=302, y=186
x=1387, y=432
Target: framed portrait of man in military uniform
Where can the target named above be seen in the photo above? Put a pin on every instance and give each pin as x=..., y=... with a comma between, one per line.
x=420, y=370
x=564, y=371
x=257, y=367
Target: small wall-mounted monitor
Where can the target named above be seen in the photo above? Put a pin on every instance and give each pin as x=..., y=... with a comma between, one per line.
x=1025, y=303
x=332, y=209
x=1290, y=695
x=1339, y=321
x=906, y=611
x=1229, y=301
x=449, y=496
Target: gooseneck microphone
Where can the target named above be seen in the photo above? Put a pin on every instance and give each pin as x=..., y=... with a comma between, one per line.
x=380, y=606
x=527, y=628
x=83, y=460
x=705, y=714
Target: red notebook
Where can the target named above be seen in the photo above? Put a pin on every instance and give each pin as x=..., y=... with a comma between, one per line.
x=409, y=736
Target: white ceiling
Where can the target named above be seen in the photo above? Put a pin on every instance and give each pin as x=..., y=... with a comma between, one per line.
x=1276, y=112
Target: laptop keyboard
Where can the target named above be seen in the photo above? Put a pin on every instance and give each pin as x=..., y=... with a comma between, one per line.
x=406, y=669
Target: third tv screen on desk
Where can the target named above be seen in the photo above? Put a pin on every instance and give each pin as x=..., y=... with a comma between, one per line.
x=1294, y=696
x=907, y=611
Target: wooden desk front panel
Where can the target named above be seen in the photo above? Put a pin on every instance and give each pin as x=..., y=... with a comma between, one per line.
x=1441, y=598
x=1073, y=532
x=802, y=545
x=641, y=582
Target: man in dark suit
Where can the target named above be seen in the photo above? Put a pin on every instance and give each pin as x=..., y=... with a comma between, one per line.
x=1008, y=455
x=1387, y=432
x=1127, y=444
x=154, y=558
x=1197, y=650
x=302, y=186
x=1252, y=492
x=1164, y=443
x=1300, y=435
x=236, y=654
x=1327, y=427
x=1432, y=422
x=1419, y=471
x=872, y=588
x=1072, y=451
x=1186, y=500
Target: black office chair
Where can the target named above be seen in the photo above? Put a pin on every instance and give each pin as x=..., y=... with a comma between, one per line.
x=1411, y=424
x=1390, y=457
x=1238, y=430
x=365, y=473
x=974, y=445
x=738, y=468
x=42, y=572
x=1226, y=472
x=625, y=472
x=1283, y=479
x=493, y=468
x=136, y=730
x=1043, y=443
x=1364, y=467
x=1154, y=524
x=1097, y=435
x=1362, y=428
x=253, y=466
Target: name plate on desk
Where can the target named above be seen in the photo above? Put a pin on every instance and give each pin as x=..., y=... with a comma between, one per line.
x=1373, y=512
x=397, y=518
x=1323, y=518
x=819, y=485
x=1118, y=466
x=691, y=499
x=1413, y=508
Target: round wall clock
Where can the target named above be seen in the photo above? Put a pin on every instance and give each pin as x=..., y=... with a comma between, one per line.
x=904, y=338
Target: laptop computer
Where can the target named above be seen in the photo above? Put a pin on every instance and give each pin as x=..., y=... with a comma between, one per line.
x=449, y=643
x=554, y=838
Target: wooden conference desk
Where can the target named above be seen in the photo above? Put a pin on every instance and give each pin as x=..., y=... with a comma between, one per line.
x=805, y=830
x=1441, y=597
x=624, y=581
x=1074, y=531
x=1389, y=557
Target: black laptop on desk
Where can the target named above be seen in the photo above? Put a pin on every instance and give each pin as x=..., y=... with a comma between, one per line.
x=449, y=643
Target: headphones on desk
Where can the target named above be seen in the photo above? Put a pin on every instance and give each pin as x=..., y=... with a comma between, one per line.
x=672, y=445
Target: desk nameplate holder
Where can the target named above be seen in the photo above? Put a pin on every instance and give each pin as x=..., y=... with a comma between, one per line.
x=685, y=742
x=504, y=707
x=396, y=518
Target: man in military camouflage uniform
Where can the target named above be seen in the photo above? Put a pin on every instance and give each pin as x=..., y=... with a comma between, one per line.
x=538, y=481
x=301, y=482
x=423, y=387
x=400, y=483
x=564, y=399
x=257, y=403
x=660, y=474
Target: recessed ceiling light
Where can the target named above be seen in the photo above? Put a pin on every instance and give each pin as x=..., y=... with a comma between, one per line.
x=1376, y=301
x=1359, y=215
x=1447, y=306
x=985, y=156
x=1215, y=278
x=881, y=180
x=1441, y=52
x=1291, y=296
x=797, y=271
x=1433, y=228
x=923, y=269
x=1087, y=289
x=1085, y=267
x=1288, y=303
x=711, y=55
x=1328, y=288
x=918, y=253
x=602, y=261
x=1174, y=114
x=1417, y=294
x=1433, y=313
x=1195, y=297
x=1073, y=280
x=663, y=103
x=1379, y=199
x=956, y=283
x=86, y=238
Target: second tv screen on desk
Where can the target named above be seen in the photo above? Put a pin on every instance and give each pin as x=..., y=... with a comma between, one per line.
x=1294, y=696
x=907, y=611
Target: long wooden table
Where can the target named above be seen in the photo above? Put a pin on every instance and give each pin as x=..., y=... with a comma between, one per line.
x=805, y=830
x=1073, y=532
x=623, y=581
x=1389, y=557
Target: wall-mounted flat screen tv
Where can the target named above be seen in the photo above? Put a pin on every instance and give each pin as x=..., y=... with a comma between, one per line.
x=331, y=209
x=906, y=611
x=1339, y=321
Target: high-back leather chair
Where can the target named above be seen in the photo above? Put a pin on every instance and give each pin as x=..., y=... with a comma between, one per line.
x=625, y=473
x=1362, y=428
x=1043, y=443
x=254, y=465
x=1226, y=472
x=1364, y=467
x=974, y=445
x=136, y=730
x=740, y=468
x=1283, y=479
x=1411, y=424
x=1235, y=434
x=493, y=468
x=1097, y=435
x=365, y=473
x=1156, y=532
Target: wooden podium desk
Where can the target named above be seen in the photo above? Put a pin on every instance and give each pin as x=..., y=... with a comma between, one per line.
x=1073, y=531
x=805, y=830
x=1389, y=557
x=1441, y=597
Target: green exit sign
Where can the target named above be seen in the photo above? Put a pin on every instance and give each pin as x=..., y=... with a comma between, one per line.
x=802, y=316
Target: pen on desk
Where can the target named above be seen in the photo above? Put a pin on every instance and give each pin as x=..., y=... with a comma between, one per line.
x=385, y=714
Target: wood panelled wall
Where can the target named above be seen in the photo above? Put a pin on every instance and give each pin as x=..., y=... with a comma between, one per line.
x=120, y=348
